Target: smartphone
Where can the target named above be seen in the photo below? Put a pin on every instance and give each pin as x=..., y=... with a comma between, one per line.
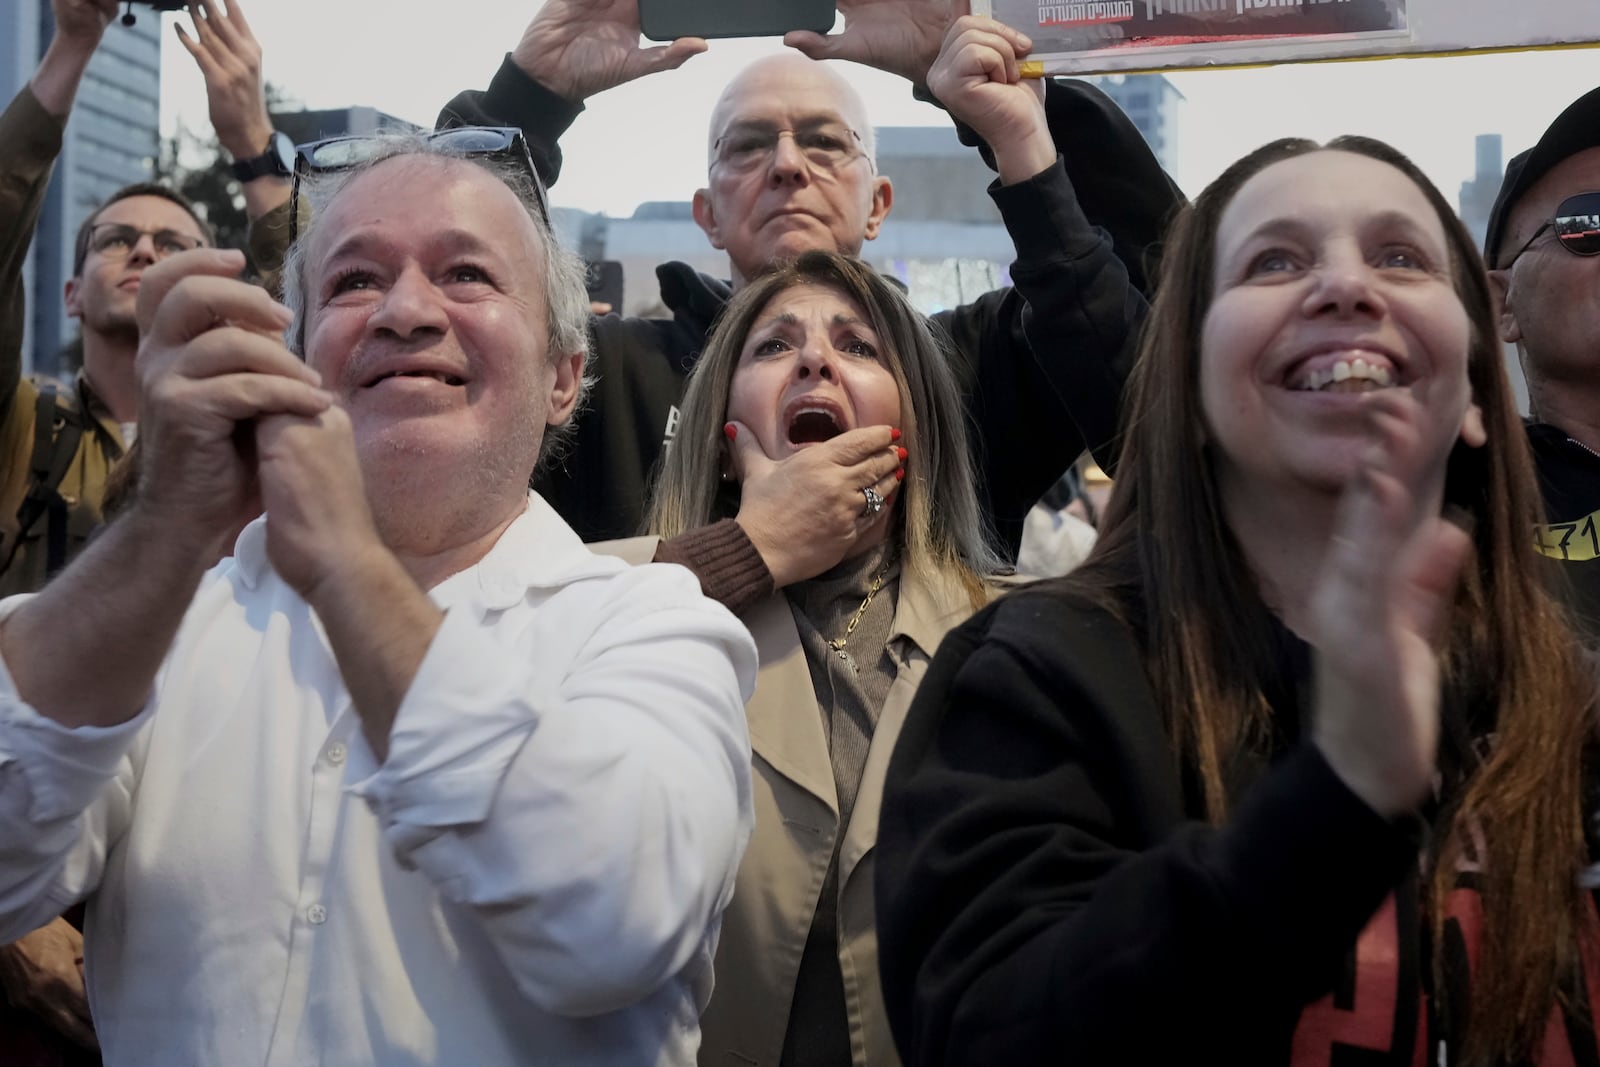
x=666, y=20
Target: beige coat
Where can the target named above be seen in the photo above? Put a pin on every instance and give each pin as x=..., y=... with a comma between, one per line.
x=797, y=820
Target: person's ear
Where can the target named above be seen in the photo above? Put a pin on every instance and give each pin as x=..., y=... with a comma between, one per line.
x=568, y=380
x=1505, y=313
x=73, y=298
x=1473, y=432
x=882, y=201
x=705, y=216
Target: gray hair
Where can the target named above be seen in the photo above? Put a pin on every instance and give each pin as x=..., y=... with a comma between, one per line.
x=565, y=294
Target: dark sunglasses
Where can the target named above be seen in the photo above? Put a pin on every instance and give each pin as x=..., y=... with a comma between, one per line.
x=342, y=153
x=1576, y=225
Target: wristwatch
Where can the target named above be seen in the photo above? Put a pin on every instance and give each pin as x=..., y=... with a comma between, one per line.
x=276, y=159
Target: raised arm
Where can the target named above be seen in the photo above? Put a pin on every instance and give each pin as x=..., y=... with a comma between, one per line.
x=571, y=50
x=1035, y=405
x=229, y=57
x=1119, y=181
x=31, y=129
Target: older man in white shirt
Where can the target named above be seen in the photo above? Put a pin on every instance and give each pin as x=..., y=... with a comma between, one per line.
x=413, y=778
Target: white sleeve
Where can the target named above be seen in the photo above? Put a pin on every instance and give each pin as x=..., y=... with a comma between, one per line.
x=65, y=796
x=583, y=782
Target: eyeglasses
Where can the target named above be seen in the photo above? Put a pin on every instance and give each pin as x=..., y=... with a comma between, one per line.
x=827, y=146
x=343, y=153
x=1576, y=224
x=116, y=240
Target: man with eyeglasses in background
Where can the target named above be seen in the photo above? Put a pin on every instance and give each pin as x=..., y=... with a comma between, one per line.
x=57, y=444
x=1543, y=250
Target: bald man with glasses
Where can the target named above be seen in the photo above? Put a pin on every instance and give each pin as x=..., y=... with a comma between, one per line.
x=1543, y=252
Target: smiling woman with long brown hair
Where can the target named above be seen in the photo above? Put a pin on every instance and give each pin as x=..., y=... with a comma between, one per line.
x=1306, y=732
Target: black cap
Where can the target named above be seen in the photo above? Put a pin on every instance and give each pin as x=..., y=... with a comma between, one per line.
x=1575, y=129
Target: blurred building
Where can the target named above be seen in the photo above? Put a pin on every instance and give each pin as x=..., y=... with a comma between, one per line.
x=1478, y=192
x=1151, y=101
x=113, y=138
x=304, y=126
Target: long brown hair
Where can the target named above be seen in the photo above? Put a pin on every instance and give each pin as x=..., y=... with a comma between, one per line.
x=938, y=523
x=1167, y=563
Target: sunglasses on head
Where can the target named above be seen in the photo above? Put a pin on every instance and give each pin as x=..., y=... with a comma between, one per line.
x=1576, y=224
x=343, y=153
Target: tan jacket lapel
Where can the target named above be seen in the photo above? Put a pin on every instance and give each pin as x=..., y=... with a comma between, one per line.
x=926, y=611
x=785, y=726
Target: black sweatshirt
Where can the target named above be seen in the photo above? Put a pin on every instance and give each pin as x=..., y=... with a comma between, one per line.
x=1048, y=893
x=1569, y=482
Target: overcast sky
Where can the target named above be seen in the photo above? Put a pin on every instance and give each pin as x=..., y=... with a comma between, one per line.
x=645, y=141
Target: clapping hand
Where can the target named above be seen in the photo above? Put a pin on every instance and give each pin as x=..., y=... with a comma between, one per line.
x=1387, y=585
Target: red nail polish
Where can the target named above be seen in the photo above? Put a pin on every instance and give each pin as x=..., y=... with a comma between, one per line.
x=730, y=431
x=900, y=475
x=903, y=454
x=894, y=435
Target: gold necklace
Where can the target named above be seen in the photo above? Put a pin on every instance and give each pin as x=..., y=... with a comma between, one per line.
x=838, y=643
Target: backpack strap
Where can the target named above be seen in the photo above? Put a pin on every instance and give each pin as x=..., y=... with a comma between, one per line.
x=57, y=432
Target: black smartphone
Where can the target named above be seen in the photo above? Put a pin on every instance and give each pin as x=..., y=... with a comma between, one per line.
x=666, y=20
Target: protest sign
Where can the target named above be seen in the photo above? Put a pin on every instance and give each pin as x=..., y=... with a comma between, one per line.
x=1103, y=36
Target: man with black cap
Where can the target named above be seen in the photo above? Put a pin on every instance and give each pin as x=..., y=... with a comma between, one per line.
x=1543, y=253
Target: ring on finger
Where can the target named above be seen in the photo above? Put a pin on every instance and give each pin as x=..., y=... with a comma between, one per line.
x=873, y=504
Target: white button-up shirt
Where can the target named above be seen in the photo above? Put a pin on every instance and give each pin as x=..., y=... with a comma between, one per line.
x=535, y=874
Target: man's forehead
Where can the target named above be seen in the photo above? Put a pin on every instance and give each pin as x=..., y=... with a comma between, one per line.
x=444, y=201
x=788, y=89
x=150, y=212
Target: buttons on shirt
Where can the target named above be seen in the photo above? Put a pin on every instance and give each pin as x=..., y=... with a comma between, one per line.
x=336, y=753
x=316, y=915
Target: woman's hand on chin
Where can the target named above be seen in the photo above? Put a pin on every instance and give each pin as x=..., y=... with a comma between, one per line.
x=805, y=512
x=1383, y=600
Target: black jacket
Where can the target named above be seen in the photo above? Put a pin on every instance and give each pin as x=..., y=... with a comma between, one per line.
x=1569, y=482
x=1047, y=892
x=1032, y=417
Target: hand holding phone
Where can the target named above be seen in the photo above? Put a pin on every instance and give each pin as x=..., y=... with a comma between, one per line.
x=578, y=48
x=899, y=36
